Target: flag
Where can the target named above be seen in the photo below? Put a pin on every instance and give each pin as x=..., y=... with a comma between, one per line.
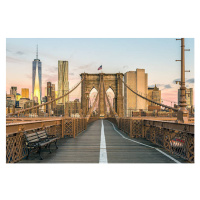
x=100, y=67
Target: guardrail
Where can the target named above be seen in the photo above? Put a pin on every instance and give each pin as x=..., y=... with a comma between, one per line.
x=15, y=141
x=175, y=137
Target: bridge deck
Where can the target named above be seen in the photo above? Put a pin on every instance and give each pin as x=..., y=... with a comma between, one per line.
x=86, y=148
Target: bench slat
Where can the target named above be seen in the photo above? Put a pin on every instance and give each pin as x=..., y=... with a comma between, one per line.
x=30, y=134
x=35, y=140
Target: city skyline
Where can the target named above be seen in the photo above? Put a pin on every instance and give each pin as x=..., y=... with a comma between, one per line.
x=156, y=56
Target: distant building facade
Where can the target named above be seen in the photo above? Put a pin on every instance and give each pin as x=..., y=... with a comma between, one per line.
x=18, y=97
x=53, y=95
x=63, y=83
x=138, y=81
x=189, y=97
x=22, y=101
x=73, y=108
x=10, y=100
x=13, y=90
x=37, y=79
x=155, y=95
x=25, y=92
x=50, y=96
x=48, y=89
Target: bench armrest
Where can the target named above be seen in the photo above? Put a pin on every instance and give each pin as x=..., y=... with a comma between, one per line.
x=32, y=144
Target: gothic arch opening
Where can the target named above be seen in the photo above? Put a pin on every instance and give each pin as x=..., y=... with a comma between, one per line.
x=111, y=96
x=92, y=97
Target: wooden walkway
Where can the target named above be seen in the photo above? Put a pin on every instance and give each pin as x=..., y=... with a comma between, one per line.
x=87, y=146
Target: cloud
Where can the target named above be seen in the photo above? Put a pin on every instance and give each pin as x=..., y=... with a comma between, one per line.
x=19, y=52
x=29, y=76
x=71, y=74
x=125, y=67
x=167, y=86
x=13, y=60
x=157, y=85
x=161, y=86
x=190, y=80
x=51, y=69
x=187, y=81
x=49, y=77
x=85, y=66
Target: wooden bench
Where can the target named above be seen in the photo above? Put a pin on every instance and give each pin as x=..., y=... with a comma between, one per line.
x=38, y=140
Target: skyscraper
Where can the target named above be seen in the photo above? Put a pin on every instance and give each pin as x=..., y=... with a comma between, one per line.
x=53, y=95
x=155, y=95
x=63, y=84
x=138, y=81
x=37, y=79
x=48, y=89
x=13, y=90
x=25, y=93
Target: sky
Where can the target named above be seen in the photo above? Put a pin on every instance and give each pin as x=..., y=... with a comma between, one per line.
x=156, y=55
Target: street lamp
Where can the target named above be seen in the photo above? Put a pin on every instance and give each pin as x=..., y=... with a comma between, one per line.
x=183, y=114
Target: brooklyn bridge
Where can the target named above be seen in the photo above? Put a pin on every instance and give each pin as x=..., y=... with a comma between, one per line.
x=101, y=134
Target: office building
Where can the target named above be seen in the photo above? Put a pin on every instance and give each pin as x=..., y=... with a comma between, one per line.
x=25, y=92
x=13, y=90
x=18, y=97
x=155, y=95
x=10, y=100
x=22, y=101
x=37, y=79
x=73, y=108
x=138, y=81
x=48, y=89
x=63, y=84
x=53, y=95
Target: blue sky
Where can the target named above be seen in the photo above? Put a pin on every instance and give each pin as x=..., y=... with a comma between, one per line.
x=156, y=56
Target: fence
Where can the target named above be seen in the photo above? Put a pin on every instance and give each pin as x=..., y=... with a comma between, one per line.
x=15, y=140
x=174, y=137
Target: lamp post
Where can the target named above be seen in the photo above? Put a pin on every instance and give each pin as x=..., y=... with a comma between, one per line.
x=183, y=114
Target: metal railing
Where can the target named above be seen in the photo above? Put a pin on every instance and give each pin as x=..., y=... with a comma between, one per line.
x=15, y=140
x=174, y=137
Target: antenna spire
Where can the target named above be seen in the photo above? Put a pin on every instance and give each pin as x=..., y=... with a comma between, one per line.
x=37, y=52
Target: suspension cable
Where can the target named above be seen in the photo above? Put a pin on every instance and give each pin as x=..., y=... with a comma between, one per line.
x=49, y=102
x=160, y=104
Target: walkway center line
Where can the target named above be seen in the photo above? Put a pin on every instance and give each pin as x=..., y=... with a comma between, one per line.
x=103, y=152
x=176, y=161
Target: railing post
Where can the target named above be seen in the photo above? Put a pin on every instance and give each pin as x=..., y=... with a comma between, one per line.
x=131, y=129
x=63, y=127
x=143, y=129
x=74, y=127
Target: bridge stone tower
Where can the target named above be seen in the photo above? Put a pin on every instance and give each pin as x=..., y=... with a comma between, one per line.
x=94, y=81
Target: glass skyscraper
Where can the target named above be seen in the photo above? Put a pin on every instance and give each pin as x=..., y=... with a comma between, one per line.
x=37, y=79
